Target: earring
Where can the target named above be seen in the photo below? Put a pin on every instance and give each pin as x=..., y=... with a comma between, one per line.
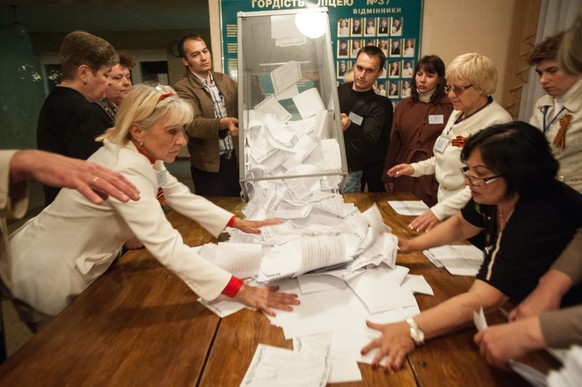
x=141, y=144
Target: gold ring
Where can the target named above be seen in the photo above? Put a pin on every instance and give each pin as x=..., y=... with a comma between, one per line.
x=94, y=180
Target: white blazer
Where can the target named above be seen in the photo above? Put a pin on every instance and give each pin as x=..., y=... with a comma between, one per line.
x=57, y=254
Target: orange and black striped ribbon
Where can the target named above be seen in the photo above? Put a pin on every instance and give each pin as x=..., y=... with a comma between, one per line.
x=160, y=196
x=459, y=141
x=560, y=139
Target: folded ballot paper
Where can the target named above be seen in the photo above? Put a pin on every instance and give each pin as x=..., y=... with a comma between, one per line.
x=457, y=259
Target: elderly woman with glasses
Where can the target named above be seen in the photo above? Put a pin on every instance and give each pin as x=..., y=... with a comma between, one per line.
x=528, y=218
x=56, y=255
x=471, y=80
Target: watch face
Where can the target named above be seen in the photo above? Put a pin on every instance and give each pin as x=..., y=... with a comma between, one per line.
x=417, y=335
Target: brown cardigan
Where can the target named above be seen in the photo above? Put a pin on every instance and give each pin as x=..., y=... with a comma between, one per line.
x=204, y=131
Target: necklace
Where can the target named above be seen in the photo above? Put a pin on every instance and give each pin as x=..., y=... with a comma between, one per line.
x=505, y=213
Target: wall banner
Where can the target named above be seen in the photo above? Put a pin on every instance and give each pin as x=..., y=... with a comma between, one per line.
x=393, y=25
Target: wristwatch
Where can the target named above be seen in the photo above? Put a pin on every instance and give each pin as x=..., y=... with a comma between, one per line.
x=416, y=333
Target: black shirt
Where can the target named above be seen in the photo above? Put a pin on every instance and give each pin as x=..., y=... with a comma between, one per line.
x=535, y=235
x=68, y=125
x=363, y=142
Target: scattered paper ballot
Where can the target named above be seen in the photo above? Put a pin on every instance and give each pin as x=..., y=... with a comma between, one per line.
x=479, y=319
x=379, y=291
x=272, y=367
x=342, y=370
x=457, y=259
x=286, y=75
x=222, y=306
x=417, y=284
x=309, y=103
x=408, y=207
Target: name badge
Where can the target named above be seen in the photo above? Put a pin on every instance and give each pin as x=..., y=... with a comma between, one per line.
x=161, y=177
x=436, y=119
x=441, y=143
x=356, y=119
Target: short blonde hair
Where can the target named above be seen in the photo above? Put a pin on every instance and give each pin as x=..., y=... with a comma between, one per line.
x=476, y=69
x=145, y=105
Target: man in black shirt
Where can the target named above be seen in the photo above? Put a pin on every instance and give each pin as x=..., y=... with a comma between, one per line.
x=364, y=115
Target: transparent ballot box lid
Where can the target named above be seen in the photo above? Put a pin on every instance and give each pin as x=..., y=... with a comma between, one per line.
x=290, y=133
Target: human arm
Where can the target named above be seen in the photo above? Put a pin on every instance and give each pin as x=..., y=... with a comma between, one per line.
x=546, y=296
x=502, y=342
x=93, y=181
x=345, y=121
x=454, y=229
x=265, y=298
x=401, y=170
x=395, y=342
x=452, y=204
x=562, y=328
x=424, y=222
x=361, y=139
x=556, y=329
x=424, y=167
x=553, y=285
x=230, y=123
x=441, y=211
x=253, y=226
x=210, y=216
x=147, y=221
x=205, y=125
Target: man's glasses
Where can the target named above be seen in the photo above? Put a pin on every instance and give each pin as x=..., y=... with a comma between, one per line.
x=478, y=181
x=166, y=91
x=458, y=90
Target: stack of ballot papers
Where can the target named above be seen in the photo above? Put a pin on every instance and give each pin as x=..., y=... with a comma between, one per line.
x=457, y=259
x=341, y=247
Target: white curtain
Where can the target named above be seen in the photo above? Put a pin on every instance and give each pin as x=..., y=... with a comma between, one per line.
x=555, y=16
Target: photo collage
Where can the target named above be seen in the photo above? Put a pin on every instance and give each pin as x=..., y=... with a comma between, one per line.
x=387, y=33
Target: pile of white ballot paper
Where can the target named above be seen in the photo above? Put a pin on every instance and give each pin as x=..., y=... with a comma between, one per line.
x=340, y=262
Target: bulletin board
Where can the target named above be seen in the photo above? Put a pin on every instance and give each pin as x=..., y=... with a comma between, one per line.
x=393, y=25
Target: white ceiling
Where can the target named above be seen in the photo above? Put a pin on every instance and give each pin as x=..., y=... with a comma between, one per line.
x=105, y=15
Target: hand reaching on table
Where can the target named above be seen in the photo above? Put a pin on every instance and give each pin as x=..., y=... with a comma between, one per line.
x=93, y=181
x=400, y=170
x=253, y=226
x=394, y=344
x=265, y=298
x=424, y=222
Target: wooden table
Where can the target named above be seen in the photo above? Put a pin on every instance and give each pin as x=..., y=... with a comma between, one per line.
x=140, y=325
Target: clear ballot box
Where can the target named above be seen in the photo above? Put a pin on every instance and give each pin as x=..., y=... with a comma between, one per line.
x=290, y=133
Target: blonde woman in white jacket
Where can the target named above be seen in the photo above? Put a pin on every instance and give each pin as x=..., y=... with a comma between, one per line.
x=471, y=80
x=59, y=253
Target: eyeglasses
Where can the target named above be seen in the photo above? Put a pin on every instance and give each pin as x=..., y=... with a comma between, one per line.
x=458, y=90
x=166, y=91
x=478, y=181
